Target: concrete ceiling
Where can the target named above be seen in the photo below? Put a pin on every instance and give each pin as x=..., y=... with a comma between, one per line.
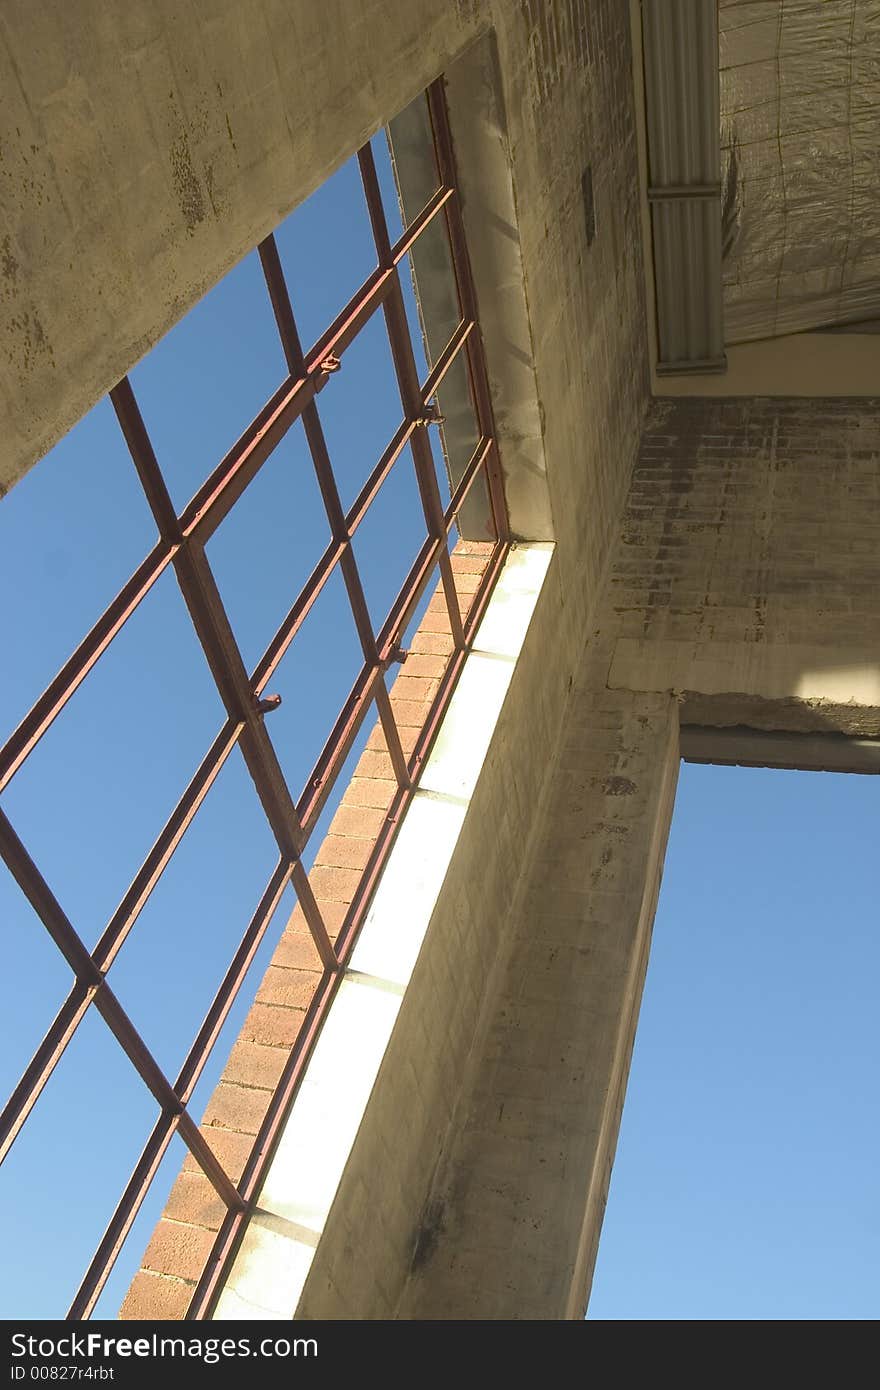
x=800, y=150
x=760, y=172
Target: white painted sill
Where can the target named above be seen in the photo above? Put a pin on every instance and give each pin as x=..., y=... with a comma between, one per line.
x=270, y=1270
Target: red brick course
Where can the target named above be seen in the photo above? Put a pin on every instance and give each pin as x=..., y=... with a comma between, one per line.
x=182, y=1239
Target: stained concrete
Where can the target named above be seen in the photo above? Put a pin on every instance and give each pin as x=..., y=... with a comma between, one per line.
x=147, y=147
x=716, y=561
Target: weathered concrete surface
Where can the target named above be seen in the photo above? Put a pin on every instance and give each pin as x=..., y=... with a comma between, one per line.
x=478, y=122
x=383, y=1215
x=741, y=592
x=475, y=93
x=741, y=746
x=234, y=112
x=743, y=587
x=747, y=572
x=568, y=106
x=514, y=1218
x=148, y=196
x=144, y=148
x=796, y=364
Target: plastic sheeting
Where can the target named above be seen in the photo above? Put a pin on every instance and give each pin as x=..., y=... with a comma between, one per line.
x=800, y=135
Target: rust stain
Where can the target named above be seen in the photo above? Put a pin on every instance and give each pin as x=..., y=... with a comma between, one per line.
x=619, y=786
x=430, y=1229
x=209, y=183
x=186, y=184
x=8, y=263
x=31, y=343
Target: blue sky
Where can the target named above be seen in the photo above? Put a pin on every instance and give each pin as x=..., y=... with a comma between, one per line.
x=745, y=1184
x=92, y=797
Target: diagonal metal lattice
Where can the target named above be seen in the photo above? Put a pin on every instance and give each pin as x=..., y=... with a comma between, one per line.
x=181, y=545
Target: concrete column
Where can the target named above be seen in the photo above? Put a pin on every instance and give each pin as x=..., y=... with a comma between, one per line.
x=513, y=1224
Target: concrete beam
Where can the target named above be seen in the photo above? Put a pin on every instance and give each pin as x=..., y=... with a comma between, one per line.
x=744, y=747
x=796, y=364
x=513, y=1225
x=147, y=148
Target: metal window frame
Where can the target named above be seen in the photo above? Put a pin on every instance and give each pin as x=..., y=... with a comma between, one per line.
x=181, y=545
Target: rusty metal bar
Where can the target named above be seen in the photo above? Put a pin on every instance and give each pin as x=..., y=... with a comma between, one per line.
x=468, y=302
x=62, y=1029
x=317, y=443
x=160, y=1088
x=280, y=643
x=459, y=339
x=77, y=667
x=232, y=981
x=407, y=600
x=337, y=747
x=414, y=403
x=234, y=1224
x=40, y=1068
x=466, y=481
x=213, y=629
x=312, y=914
x=181, y=544
x=281, y=307
x=436, y=203
x=357, y=511
x=145, y=1170
x=354, y=588
x=157, y=860
x=352, y=580
x=47, y=906
x=208, y=1161
x=120, y=1224
x=212, y=625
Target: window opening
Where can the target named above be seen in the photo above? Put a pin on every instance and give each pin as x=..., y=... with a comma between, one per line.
x=202, y=449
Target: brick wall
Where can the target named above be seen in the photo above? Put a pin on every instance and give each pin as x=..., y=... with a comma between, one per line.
x=745, y=575
x=748, y=561
x=396, y=1251
x=182, y=1240
x=519, y=1196
x=747, y=558
x=753, y=521
x=568, y=89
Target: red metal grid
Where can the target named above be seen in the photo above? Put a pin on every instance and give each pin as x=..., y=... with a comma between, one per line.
x=182, y=546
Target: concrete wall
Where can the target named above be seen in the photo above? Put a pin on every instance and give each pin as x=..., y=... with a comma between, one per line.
x=182, y=1240
x=517, y=1205
x=748, y=563
x=147, y=148
x=741, y=591
x=234, y=112
x=796, y=364
x=564, y=69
